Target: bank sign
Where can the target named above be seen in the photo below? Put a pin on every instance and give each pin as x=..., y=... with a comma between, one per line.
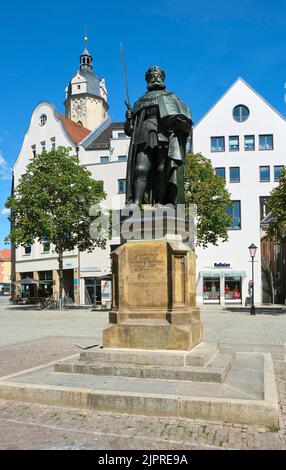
x=222, y=265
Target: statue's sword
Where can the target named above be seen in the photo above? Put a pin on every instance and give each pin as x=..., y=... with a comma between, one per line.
x=127, y=101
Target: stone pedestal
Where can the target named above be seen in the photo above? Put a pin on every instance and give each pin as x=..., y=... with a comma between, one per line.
x=154, y=304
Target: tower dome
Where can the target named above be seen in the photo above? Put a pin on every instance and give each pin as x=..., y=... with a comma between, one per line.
x=86, y=94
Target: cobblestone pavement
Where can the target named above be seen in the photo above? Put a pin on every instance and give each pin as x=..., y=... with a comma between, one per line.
x=29, y=338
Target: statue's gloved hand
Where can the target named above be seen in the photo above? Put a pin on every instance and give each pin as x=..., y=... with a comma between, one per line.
x=129, y=115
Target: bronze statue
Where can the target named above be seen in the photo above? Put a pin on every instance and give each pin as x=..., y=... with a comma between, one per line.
x=158, y=125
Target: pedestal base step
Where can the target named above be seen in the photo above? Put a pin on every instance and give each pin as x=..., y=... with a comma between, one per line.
x=215, y=371
x=199, y=356
x=247, y=395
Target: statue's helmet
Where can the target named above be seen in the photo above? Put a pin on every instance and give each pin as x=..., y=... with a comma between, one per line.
x=155, y=78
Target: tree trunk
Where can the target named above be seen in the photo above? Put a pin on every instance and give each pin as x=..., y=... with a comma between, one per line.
x=60, y=259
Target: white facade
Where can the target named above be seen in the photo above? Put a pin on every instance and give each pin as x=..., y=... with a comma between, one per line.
x=234, y=255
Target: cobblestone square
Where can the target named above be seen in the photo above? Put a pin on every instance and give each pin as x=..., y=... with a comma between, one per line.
x=30, y=338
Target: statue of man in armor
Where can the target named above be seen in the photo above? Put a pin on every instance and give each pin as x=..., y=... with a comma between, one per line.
x=159, y=125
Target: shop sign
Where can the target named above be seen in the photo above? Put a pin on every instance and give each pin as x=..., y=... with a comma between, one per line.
x=222, y=265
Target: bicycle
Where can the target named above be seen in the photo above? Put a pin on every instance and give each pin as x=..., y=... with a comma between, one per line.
x=49, y=304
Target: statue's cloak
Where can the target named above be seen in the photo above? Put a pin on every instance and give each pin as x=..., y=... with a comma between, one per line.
x=168, y=105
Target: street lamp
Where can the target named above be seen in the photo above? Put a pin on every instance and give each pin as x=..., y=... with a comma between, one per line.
x=252, y=251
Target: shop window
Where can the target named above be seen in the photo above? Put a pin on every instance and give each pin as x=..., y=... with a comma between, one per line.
x=232, y=290
x=211, y=290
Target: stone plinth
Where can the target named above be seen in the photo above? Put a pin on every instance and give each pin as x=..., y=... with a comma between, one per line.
x=154, y=304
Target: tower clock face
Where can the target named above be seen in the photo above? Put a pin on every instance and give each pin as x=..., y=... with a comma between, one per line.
x=78, y=109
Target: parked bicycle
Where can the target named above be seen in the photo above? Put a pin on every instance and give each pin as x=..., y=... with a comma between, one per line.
x=49, y=304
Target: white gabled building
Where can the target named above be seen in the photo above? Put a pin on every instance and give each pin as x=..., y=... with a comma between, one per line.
x=102, y=147
x=245, y=138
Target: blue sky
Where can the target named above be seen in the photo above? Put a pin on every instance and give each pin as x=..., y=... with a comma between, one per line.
x=202, y=45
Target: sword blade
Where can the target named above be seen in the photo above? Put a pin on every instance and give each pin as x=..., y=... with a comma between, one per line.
x=125, y=77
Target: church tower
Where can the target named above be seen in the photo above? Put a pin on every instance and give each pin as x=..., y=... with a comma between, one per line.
x=86, y=95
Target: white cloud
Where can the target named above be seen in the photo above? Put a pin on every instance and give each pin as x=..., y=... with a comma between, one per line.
x=5, y=171
x=5, y=211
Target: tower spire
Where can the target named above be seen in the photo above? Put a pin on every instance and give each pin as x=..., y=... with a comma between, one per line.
x=85, y=37
x=85, y=58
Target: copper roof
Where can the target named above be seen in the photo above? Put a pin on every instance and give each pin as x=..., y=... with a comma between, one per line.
x=5, y=255
x=76, y=132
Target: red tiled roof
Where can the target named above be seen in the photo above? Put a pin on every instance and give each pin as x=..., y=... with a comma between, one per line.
x=5, y=255
x=74, y=130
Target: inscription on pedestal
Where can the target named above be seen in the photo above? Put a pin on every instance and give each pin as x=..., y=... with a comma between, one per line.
x=146, y=277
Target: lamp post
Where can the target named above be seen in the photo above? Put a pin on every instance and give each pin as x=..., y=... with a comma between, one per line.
x=252, y=251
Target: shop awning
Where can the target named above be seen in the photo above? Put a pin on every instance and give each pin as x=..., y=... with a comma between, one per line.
x=27, y=282
x=222, y=272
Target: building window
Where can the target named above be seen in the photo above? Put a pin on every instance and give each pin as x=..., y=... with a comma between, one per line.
x=211, y=290
x=46, y=245
x=235, y=213
x=27, y=249
x=234, y=143
x=53, y=142
x=43, y=120
x=264, y=173
x=234, y=174
x=266, y=142
x=104, y=159
x=277, y=172
x=34, y=150
x=78, y=87
x=220, y=172
x=249, y=142
x=217, y=144
x=43, y=144
x=240, y=113
x=264, y=207
x=122, y=158
x=121, y=185
x=232, y=290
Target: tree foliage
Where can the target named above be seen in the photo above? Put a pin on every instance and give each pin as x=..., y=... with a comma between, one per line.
x=207, y=190
x=52, y=200
x=277, y=206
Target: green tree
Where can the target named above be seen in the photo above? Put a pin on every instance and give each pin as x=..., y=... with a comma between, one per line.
x=207, y=190
x=277, y=206
x=52, y=201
